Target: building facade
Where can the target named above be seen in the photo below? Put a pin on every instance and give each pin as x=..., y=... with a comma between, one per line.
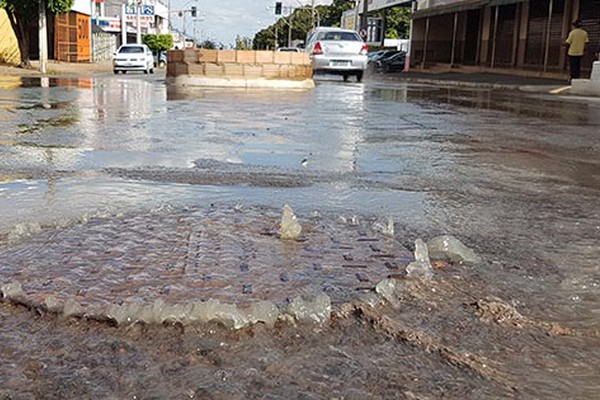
x=517, y=35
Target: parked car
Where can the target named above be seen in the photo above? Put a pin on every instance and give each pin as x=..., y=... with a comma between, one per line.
x=337, y=51
x=382, y=54
x=133, y=57
x=394, y=63
x=292, y=49
x=160, y=58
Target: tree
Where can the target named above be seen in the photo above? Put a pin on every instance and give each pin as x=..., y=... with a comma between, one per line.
x=208, y=44
x=22, y=15
x=276, y=35
x=332, y=15
x=397, y=22
x=158, y=43
x=243, y=43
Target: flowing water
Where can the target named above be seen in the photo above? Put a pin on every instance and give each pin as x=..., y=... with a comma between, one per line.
x=117, y=190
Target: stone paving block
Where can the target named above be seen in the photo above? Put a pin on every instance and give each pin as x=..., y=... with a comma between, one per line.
x=196, y=69
x=264, y=57
x=245, y=57
x=282, y=57
x=233, y=70
x=284, y=70
x=177, y=69
x=253, y=71
x=174, y=56
x=191, y=55
x=208, y=55
x=299, y=58
x=271, y=71
x=226, y=56
x=213, y=70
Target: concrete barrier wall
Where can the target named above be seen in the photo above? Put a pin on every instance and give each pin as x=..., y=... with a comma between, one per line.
x=238, y=65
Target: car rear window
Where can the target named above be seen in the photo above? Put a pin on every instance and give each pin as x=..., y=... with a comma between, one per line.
x=131, y=50
x=343, y=36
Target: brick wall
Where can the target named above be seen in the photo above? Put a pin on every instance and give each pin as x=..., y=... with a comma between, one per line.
x=240, y=64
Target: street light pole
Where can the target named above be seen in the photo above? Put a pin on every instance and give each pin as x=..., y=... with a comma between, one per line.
x=43, y=37
x=138, y=11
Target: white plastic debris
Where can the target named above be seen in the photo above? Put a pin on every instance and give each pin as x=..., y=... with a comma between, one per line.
x=449, y=248
x=421, y=267
x=290, y=227
x=317, y=311
x=214, y=310
x=12, y=291
x=53, y=304
x=72, y=308
x=263, y=311
x=386, y=229
x=388, y=290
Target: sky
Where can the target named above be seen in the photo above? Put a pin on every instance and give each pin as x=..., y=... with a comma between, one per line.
x=223, y=20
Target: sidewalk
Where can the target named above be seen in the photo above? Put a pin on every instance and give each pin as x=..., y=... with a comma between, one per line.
x=485, y=80
x=59, y=68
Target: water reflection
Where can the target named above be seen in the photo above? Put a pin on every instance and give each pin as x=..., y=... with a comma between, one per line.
x=515, y=103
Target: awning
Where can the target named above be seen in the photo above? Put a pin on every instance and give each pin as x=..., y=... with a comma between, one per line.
x=494, y=3
x=451, y=8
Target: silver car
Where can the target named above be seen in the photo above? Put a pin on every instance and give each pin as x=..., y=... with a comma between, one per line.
x=337, y=51
x=133, y=57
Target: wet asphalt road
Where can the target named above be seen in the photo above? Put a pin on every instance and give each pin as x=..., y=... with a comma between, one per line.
x=515, y=176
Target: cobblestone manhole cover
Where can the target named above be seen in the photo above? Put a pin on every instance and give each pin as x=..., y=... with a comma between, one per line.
x=187, y=256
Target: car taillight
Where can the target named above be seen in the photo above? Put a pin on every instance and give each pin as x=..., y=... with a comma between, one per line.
x=317, y=49
x=364, y=50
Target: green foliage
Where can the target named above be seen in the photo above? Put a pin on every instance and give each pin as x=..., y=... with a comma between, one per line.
x=301, y=23
x=158, y=42
x=397, y=22
x=208, y=44
x=332, y=15
x=22, y=15
x=31, y=6
x=243, y=43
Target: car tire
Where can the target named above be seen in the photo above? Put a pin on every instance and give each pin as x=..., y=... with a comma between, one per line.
x=115, y=71
x=146, y=71
x=345, y=76
x=359, y=76
x=151, y=70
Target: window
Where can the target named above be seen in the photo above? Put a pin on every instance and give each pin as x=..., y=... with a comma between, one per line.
x=343, y=36
x=131, y=49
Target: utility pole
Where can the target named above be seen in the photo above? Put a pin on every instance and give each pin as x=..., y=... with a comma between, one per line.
x=138, y=11
x=43, y=37
x=312, y=12
x=289, y=41
x=91, y=30
x=364, y=20
x=123, y=24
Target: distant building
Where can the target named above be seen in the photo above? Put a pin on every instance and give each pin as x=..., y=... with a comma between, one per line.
x=523, y=36
x=501, y=34
x=91, y=29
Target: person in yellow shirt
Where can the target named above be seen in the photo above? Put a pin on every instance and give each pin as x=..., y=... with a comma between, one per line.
x=576, y=42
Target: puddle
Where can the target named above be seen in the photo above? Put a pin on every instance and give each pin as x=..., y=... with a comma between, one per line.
x=147, y=194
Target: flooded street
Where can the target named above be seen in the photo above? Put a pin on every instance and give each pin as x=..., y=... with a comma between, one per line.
x=128, y=208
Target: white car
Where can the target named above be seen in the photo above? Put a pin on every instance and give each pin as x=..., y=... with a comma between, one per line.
x=337, y=51
x=133, y=57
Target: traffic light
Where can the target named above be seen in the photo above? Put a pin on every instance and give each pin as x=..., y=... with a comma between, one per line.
x=278, y=8
x=193, y=11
